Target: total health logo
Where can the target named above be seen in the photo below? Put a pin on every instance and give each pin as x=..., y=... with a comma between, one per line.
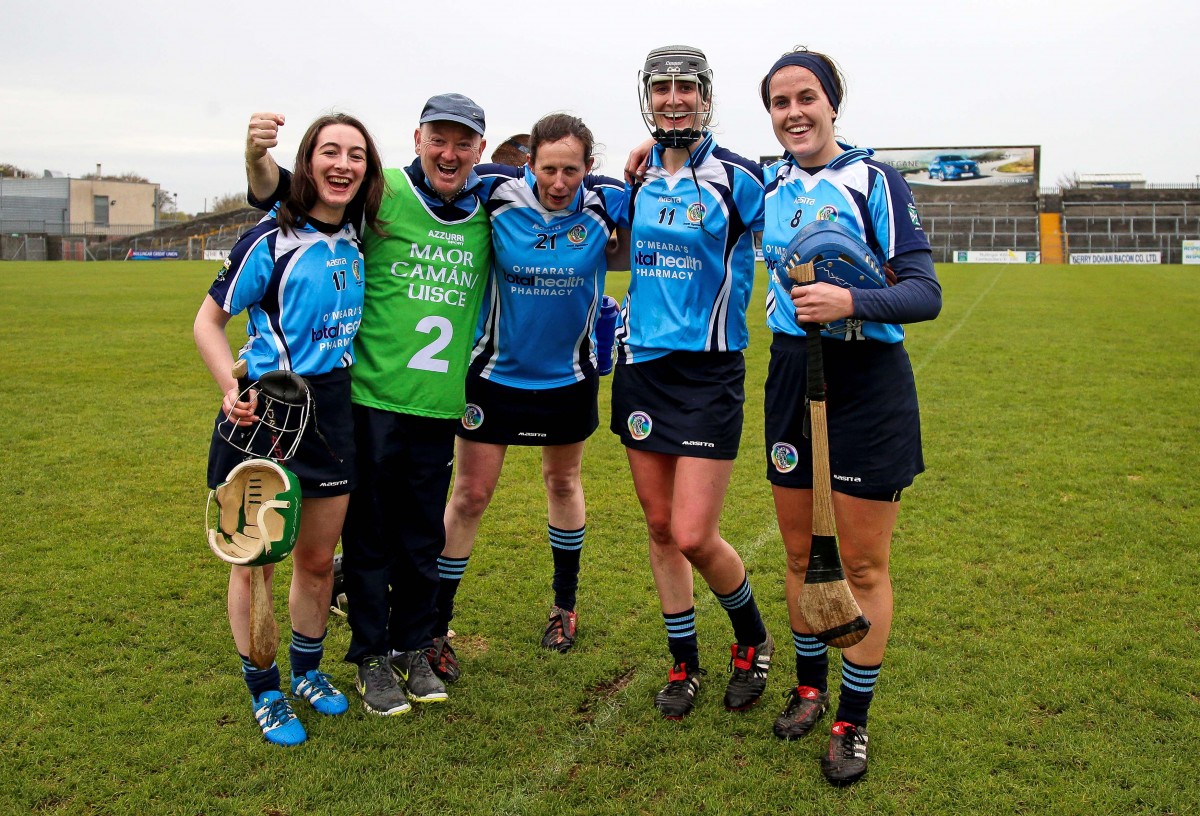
x=640, y=425
x=577, y=234
x=472, y=417
x=784, y=457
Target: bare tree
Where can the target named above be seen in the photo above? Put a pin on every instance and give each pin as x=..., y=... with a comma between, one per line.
x=12, y=171
x=229, y=202
x=1068, y=181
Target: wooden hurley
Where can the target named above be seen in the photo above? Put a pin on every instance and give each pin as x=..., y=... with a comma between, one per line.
x=826, y=603
x=264, y=630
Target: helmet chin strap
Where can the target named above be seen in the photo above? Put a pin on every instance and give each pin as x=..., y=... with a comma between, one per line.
x=679, y=139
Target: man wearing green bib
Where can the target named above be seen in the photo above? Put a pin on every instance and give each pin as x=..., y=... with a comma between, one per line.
x=425, y=277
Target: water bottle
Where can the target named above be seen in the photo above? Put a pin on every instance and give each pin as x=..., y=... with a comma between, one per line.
x=606, y=331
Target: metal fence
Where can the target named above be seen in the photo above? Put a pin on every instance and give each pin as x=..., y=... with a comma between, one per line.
x=1131, y=226
x=970, y=225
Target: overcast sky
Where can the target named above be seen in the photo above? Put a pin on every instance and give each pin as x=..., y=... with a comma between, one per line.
x=164, y=91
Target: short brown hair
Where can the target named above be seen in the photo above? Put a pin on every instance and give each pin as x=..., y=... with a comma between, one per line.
x=514, y=150
x=555, y=126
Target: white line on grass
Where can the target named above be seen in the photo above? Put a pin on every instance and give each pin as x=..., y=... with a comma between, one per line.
x=961, y=322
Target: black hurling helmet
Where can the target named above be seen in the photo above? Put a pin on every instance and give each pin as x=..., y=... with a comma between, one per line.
x=672, y=63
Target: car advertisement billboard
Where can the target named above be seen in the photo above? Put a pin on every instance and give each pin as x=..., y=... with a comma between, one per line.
x=959, y=166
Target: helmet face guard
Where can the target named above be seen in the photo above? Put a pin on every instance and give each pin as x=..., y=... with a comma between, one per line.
x=258, y=514
x=838, y=257
x=676, y=63
x=283, y=407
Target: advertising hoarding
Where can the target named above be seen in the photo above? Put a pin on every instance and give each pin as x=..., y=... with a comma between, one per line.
x=964, y=166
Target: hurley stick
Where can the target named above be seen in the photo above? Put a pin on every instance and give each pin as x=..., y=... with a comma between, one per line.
x=826, y=603
x=264, y=631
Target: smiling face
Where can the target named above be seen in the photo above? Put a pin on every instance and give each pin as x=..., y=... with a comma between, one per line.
x=338, y=164
x=448, y=151
x=802, y=116
x=677, y=105
x=559, y=168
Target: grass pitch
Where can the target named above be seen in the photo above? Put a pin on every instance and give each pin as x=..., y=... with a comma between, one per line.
x=1042, y=659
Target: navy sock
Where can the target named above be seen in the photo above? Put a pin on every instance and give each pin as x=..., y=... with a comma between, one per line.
x=858, y=689
x=812, y=662
x=566, y=546
x=305, y=653
x=748, y=629
x=681, y=637
x=450, y=573
x=259, y=680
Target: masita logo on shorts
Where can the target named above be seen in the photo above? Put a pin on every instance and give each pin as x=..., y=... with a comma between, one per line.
x=784, y=457
x=640, y=425
x=472, y=417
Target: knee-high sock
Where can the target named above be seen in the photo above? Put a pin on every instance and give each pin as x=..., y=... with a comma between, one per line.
x=857, y=691
x=566, y=547
x=748, y=629
x=450, y=573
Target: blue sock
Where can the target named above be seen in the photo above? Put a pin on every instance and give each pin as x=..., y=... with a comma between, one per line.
x=450, y=573
x=858, y=689
x=259, y=680
x=566, y=546
x=305, y=653
x=812, y=662
x=681, y=637
x=748, y=629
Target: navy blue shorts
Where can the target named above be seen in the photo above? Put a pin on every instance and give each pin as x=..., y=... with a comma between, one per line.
x=503, y=415
x=687, y=403
x=325, y=467
x=871, y=408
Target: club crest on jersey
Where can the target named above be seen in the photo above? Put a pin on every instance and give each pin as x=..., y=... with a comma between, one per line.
x=695, y=212
x=784, y=457
x=577, y=234
x=472, y=417
x=640, y=425
x=827, y=213
x=912, y=214
x=357, y=272
x=224, y=270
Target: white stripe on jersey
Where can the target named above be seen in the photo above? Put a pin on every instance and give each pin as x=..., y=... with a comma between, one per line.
x=227, y=302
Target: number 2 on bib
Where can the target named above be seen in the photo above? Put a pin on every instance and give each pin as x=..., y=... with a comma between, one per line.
x=426, y=359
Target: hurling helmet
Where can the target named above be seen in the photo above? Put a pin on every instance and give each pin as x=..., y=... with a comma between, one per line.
x=676, y=63
x=838, y=257
x=283, y=407
x=258, y=514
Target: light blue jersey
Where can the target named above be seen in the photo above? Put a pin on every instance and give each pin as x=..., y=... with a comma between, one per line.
x=692, y=256
x=304, y=293
x=537, y=326
x=867, y=197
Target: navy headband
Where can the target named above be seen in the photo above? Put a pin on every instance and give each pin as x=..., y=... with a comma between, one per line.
x=812, y=62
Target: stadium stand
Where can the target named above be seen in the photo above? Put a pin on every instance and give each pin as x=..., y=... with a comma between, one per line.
x=978, y=218
x=190, y=239
x=1134, y=220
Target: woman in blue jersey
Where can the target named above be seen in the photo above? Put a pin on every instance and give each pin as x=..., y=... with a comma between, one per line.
x=299, y=274
x=533, y=377
x=874, y=427
x=678, y=386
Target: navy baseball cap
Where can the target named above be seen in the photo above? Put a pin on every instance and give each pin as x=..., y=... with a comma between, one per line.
x=453, y=108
